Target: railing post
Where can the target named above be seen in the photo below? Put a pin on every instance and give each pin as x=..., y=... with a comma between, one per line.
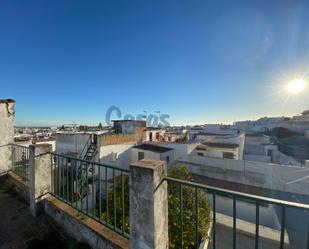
x=148, y=205
x=7, y=116
x=40, y=180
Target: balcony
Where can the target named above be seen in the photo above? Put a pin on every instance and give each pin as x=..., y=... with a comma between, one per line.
x=102, y=195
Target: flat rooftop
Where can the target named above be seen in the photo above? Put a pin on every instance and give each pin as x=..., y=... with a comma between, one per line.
x=82, y=132
x=153, y=148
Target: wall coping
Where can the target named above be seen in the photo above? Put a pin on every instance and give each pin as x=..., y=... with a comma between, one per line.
x=4, y=101
x=90, y=223
x=17, y=178
x=147, y=164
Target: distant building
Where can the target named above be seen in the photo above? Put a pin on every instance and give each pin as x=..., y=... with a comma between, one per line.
x=129, y=126
x=218, y=150
x=108, y=146
x=299, y=123
x=151, y=151
x=220, y=146
x=259, y=148
x=153, y=134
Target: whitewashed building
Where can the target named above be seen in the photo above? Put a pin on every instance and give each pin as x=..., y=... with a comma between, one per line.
x=152, y=151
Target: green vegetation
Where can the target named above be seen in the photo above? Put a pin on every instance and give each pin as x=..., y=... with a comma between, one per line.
x=122, y=215
x=74, y=244
x=189, y=211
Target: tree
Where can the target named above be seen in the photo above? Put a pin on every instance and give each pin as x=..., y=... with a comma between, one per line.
x=189, y=211
x=122, y=215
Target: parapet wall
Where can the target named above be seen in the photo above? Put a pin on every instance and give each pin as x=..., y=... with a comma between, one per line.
x=21, y=186
x=82, y=227
x=259, y=174
x=121, y=138
x=7, y=117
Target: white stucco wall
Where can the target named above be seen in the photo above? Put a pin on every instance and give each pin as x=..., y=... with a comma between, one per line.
x=261, y=174
x=170, y=154
x=153, y=155
x=52, y=143
x=70, y=143
x=256, y=140
x=216, y=152
x=154, y=134
x=256, y=148
x=258, y=158
x=6, y=135
x=118, y=155
x=147, y=154
x=181, y=151
x=238, y=139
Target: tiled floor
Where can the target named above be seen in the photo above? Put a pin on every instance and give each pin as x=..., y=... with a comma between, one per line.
x=19, y=229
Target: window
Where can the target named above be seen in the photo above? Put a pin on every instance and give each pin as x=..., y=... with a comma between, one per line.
x=141, y=155
x=200, y=154
x=228, y=155
x=150, y=136
x=167, y=159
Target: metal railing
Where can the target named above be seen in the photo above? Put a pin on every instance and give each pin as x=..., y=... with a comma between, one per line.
x=102, y=193
x=96, y=190
x=188, y=195
x=20, y=161
x=84, y=150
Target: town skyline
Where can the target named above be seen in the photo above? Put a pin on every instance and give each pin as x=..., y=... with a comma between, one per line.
x=50, y=123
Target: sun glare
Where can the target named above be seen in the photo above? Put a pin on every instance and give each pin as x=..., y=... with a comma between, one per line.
x=296, y=86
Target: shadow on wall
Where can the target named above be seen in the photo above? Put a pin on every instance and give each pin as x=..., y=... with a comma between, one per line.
x=118, y=155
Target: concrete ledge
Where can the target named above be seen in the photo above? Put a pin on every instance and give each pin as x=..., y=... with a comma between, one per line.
x=83, y=228
x=22, y=187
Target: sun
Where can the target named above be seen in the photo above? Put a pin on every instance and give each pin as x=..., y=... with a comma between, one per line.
x=296, y=86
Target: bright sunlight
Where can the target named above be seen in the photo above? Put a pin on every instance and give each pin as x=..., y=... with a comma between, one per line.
x=296, y=86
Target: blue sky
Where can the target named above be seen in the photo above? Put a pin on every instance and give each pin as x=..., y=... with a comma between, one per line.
x=198, y=61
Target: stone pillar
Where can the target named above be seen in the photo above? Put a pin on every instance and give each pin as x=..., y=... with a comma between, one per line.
x=7, y=117
x=40, y=175
x=148, y=205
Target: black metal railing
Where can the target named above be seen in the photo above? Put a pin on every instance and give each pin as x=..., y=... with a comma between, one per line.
x=187, y=212
x=96, y=190
x=20, y=161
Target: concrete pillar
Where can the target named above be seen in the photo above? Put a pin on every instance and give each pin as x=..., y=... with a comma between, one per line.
x=148, y=205
x=40, y=175
x=7, y=117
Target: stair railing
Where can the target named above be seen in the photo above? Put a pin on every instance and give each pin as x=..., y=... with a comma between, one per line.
x=85, y=147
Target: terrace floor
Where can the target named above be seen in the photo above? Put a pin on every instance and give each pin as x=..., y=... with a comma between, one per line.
x=19, y=229
x=243, y=241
